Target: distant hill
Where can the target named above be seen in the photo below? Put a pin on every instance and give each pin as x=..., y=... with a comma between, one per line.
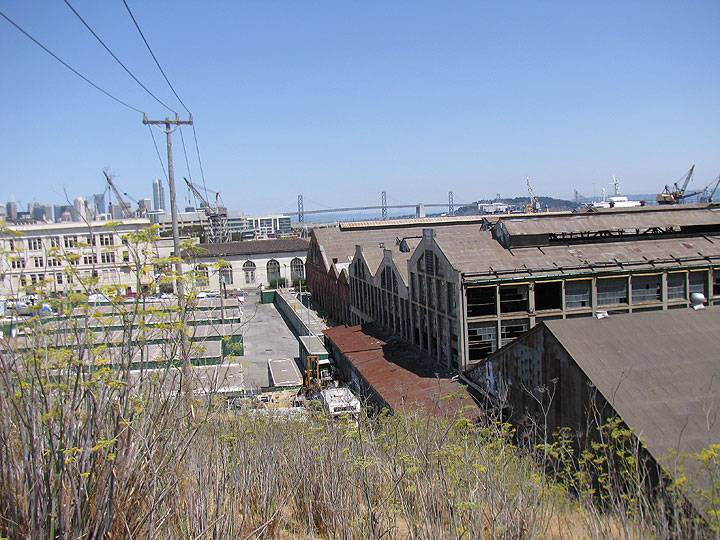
x=519, y=203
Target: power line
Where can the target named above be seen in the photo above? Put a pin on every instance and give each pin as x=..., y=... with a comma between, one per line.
x=167, y=80
x=68, y=66
x=187, y=162
x=197, y=149
x=153, y=55
x=157, y=151
x=127, y=70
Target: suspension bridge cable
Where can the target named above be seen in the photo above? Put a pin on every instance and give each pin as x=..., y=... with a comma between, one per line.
x=167, y=80
x=68, y=66
x=127, y=70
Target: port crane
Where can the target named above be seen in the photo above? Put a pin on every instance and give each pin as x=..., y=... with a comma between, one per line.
x=533, y=204
x=124, y=206
x=708, y=192
x=678, y=192
x=217, y=215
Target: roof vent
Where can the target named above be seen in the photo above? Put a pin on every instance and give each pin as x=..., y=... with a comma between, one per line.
x=697, y=300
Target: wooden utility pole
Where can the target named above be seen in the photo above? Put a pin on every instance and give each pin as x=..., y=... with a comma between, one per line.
x=168, y=123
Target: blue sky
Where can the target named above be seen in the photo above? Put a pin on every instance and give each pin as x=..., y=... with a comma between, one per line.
x=339, y=100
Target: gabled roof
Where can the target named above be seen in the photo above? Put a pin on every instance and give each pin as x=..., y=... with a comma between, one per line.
x=659, y=370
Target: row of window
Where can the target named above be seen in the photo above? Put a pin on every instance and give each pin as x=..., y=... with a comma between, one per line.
x=108, y=257
x=68, y=241
x=225, y=273
x=610, y=291
x=435, y=293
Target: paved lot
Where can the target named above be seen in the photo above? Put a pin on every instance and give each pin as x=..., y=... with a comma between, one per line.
x=265, y=335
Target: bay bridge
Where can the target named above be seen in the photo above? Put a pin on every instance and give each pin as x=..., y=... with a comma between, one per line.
x=383, y=207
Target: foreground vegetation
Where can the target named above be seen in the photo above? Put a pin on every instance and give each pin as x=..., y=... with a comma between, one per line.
x=95, y=455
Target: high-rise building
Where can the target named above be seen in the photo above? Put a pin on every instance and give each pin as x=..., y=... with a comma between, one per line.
x=144, y=206
x=60, y=209
x=41, y=212
x=158, y=195
x=80, y=209
x=11, y=210
x=99, y=202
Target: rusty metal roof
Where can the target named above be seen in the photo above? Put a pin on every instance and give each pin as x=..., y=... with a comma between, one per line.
x=659, y=370
x=401, y=376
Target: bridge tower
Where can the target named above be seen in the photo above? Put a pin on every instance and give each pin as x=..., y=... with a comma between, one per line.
x=451, y=203
x=301, y=211
x=383, y=202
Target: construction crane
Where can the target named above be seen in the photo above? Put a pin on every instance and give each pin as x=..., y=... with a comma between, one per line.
x=218, y=229
x=124, y=206
x=677, y=193
x=708, y=192
x=533, y=204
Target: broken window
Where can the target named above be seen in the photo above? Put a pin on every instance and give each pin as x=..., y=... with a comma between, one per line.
x=548, y=295
x=513, y=329
x=611, y=291
x=676, y=286
x=482, y=340
x=577, y=294
x=698, y=282
x=646, y=289
x=429, y=262
x=481, y=301
x=513, y=298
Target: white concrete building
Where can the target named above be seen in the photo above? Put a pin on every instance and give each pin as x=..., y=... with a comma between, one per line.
x=60, y=255
x=248, y=265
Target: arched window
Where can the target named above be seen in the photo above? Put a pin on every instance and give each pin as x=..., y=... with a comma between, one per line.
x=226, y=274
x=297, y=269
x=249, y=270
x=202, y=278
x=273, y=271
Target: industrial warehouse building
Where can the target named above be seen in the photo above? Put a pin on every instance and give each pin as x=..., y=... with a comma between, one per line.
x=659, y=372
x=466, y=290
x=332, y=249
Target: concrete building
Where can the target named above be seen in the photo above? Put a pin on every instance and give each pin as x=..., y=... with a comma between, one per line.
x=332, y=249
x=11, y=211
x=195, y=223
x=99, y=203
x=41, y=212
x=158, y=195
x=658, y=372
x=475, y=288
x=247, y=265
x=57, y=255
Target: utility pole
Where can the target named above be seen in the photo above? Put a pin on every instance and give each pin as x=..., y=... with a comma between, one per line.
x=168, y=123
